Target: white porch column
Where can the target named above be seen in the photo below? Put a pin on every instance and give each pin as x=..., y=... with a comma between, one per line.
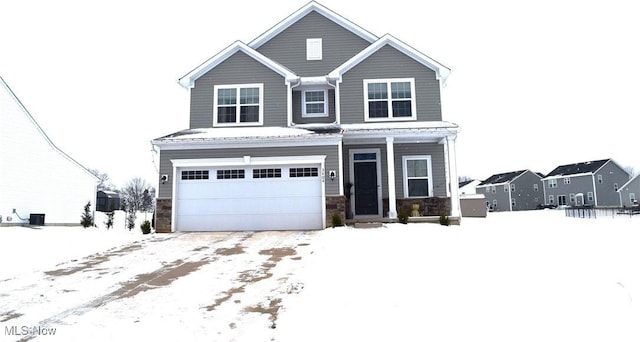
x=391, y=176
x=453, y=176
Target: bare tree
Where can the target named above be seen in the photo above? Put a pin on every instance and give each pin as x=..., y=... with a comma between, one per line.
x=137, y=195
x=103, y=177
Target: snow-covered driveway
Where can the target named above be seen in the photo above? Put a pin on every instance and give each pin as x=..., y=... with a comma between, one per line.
x=209, y=282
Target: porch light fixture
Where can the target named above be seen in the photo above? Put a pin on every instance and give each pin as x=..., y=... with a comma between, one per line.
x=332, y=174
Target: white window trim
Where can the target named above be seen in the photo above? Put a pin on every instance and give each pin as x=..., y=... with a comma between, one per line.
x=535, y=187
x=315, y=115
x=513, y=187
x=260, y=87
x=389, y=100
x=553, y=183
x=600, y=179
x=314, y=49
x=615, y=187
x=551, y=199
x=506, y=187
x=590, y=196
x=632, y=197
x=405, y=179
x=567, y=180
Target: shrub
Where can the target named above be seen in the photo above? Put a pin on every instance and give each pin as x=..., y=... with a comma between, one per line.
x=403, y=217
x=109, y=221
x=444, y=220
x=87, y=218
x=146, y=227
x=131, y=219
x=336, y=220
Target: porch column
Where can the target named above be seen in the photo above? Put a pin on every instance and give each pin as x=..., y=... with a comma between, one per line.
x=391, y=176
x=453, y=176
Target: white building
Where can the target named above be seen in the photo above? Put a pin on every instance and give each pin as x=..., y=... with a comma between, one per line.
x=37, y=178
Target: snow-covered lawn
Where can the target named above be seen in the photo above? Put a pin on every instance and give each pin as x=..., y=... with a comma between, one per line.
x=527, y=276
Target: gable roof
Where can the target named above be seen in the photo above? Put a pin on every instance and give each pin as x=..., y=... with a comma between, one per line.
x=442, y=72
x=12, y=97
x=461, y=184
x=588, y=167
x=189, y=79
x=501, y=178
x=301, y=13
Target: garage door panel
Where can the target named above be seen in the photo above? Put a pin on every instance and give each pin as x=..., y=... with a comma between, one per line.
x=249, y=222
x=270, y=203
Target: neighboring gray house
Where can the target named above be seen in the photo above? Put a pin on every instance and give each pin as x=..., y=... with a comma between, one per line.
x=592, y=183
x=281, y=126
x=512, y=191
x=629, y=192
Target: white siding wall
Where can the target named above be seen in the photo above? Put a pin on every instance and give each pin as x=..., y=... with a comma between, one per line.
x=35, y=177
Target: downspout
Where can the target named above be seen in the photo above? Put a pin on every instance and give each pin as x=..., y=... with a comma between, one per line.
x=510, y=202
x=290, y=101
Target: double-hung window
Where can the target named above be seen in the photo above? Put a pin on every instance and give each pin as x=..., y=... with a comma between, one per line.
x=314, y=103
x=417, y=176
x=238, y=104
x=389, y=99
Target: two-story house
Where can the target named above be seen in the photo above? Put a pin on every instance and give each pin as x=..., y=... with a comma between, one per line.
x=630, y=192
x=314, y=117
x=592, y=183
x=512, y=191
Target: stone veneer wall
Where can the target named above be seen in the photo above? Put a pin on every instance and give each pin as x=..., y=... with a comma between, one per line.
x=163, y=215
x=335, y=204
x=429, y=206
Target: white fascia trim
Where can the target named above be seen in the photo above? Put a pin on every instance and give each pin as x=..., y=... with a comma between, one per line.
x=254, y=143
x=301, y=13
x=442, y=72
x=493, y=184
x=569, y=176
x=248, y=161
x=629, y=182
x=188, y=80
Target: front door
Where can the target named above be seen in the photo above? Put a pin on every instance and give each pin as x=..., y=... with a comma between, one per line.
x=365, y=172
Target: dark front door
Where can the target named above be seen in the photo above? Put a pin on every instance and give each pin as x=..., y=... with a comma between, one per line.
x=365, y=185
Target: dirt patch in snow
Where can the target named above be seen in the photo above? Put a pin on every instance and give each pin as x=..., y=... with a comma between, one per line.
x=270, y=309
x=94, y=260
x=159, y=278
x=278, y=253
x=9, y=315
x=226, y=296
x=237, y=249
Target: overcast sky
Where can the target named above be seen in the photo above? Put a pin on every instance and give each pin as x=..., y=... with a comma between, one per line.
x=534, y=84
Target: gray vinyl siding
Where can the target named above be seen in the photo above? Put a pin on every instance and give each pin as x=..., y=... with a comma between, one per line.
x=289, y=48
x=579, y=184
x=384, y=64
x=239, y=69
x=611, y=173
x=501, y=196
x=632, y=188
x=438, y=171
x=330, y=151
x=525, y=196
x=297, y=109
x=436, y=152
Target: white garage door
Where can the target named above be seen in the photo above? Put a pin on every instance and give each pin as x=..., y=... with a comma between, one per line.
x=249, y=198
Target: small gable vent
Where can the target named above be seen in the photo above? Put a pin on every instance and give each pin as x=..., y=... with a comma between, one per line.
x=314, y=49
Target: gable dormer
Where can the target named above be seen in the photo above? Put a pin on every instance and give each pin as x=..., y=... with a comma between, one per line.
x=238, y=87
x=313, y=41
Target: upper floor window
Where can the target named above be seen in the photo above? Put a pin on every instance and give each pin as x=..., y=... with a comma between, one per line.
x=513, y=187
x=314, y=103
x=506, y=188
x=567, y=180
x=553, y=183
x=535, y=187
x=599, y=179
x=238, y=104
x=314, y=49
x=389, y=99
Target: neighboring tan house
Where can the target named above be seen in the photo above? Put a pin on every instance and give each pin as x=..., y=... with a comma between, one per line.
x=630, y=192
x=512, y=191
x=593, y=183
x=39, y=183
x=281, y=126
